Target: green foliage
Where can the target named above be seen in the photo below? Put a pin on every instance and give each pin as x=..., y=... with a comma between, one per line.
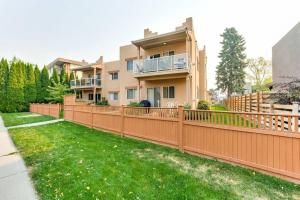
x=54, y=77
x=15, y=87
x=57, y=92
x=4, y=72
x=230, y=74
x=187, y=106
x=218, y=107
x=103, y=102
x=45, y=83
x=259, y=72
x=203, y=105
x=72, y=76
x=134, y=104
x=30, y=85
x=64, y=76
x=38, y=84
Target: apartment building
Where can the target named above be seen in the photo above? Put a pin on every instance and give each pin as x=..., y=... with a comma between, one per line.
x=166, y=69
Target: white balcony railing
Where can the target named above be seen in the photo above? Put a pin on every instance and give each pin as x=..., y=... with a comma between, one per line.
x=86, y=82
x=165, y=63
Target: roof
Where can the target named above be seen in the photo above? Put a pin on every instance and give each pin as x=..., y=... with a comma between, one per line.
x=60, y=61
x=162, y=39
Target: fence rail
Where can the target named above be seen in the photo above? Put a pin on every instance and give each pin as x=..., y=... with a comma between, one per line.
x=252, y=139
x=258, y=102
x=46, y=109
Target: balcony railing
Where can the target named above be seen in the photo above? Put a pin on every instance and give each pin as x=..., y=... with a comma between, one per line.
x=165, y=63
x=86, y=82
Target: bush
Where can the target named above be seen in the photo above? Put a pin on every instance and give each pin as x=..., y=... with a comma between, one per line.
x=103, y=102
x=203, y=105
x=187, y=106
x=134, y=104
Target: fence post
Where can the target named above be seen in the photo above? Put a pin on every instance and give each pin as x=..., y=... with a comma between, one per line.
x=250, y=102
x=180, y=126
x=258, y=101
x=122, y=121
x=92, y=125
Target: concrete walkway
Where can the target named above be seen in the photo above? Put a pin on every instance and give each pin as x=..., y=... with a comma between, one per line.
x=36, y=124
x=15, y=183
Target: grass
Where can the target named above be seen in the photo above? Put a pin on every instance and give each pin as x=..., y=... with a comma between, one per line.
x=218, y=107
x=13, y=119
x=70, y=161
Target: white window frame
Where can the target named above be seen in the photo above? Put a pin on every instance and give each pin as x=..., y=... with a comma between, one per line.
x=112, y=96
x=168, y=92
x=134, y=90
x=111, y=76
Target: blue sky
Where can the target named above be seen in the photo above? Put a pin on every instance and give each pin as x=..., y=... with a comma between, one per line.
x=40, y=31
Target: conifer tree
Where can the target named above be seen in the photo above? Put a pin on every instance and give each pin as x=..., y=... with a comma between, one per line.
x=37, y=75
x=15, y=87
x=63, y=76
x=30, y=85
x=72, y=76
x=4, y=71
x=45, y=83
x=230, y=74
x=54, y=77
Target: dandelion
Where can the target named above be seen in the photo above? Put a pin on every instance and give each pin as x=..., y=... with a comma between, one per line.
x=88, y=188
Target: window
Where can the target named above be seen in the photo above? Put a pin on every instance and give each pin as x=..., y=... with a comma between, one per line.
x=169, y=53
x=79, y=95
x=129, y=65
x=113, y=96
x=155, y=56
x=131, y=93
x=169, y=92
x=113, y=76
x=91, y=96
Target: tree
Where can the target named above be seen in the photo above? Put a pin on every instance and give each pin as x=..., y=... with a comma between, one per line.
x=45, y=82
x=259, y=72
x=63, y=76
x=4, y=72
x=37, y=75
x=230, y=74
x=30, y=85
x=57, y=92
x=54, y=77
x=15, y=87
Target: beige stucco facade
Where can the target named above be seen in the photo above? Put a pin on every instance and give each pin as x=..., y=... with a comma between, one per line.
x=167, y=69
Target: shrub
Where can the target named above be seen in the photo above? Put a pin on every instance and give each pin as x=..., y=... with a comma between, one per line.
x=103, y=102
x=187, y=106
x=134, y=104
x=203, y=105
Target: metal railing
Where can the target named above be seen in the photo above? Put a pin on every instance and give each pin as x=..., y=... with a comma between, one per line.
x=86, y=82
x=165, y=63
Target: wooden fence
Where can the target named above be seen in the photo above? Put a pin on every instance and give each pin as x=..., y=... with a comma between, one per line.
x=256, y=140
x=258, y=102
x=46, y=109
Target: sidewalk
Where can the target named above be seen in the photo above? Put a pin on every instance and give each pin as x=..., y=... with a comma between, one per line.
x=36, y=124
x=15, y=183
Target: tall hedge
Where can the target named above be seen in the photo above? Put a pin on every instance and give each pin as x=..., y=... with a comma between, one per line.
x=54, y=77
x=4, y=72
x=45, y=83
x=38, y=86
x=15, y=87
x=64, y=76
x=30, y=85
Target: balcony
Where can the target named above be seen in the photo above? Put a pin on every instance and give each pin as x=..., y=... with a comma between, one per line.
x=86, y=83
x=161, y=66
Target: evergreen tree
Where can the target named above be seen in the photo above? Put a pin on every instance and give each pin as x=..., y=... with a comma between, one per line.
x=4, y=71
x=230, y=74
x=54, y=77
x=72, y=76
x=45, y=83
x=37, y=75
x=30, y=85
x=63, y=76
x=15, y=87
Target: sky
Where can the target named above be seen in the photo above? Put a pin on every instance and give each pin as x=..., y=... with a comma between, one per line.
x=38, y=31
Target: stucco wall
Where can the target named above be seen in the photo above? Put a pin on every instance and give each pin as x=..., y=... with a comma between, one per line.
x=286, y=57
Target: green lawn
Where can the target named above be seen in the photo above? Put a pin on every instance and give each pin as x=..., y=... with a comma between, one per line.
x=218, y=107
x=69, y=161
x=13, y=119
